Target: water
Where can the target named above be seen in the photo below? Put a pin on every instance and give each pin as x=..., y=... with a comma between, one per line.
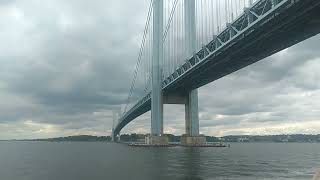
x=103, y=161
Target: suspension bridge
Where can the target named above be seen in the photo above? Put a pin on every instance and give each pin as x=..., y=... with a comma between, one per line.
x=189, y=43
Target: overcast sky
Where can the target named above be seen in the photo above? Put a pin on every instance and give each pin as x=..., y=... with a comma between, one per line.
x=66, y=64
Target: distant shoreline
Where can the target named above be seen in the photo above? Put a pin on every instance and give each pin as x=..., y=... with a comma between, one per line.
x=292, y=138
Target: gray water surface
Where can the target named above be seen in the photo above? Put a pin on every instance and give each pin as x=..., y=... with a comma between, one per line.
x=104, y=161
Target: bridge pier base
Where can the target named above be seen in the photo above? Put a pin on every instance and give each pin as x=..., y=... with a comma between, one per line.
x=187, y=140
x=153, y=140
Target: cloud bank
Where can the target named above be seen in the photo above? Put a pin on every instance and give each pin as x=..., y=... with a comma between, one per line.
x=66, y=64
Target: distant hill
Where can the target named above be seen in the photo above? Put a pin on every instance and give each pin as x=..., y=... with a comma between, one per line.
x=77, y=138
x=173, y=138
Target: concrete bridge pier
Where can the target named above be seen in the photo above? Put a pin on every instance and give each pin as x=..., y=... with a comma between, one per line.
x=317, y=175
x=115, y=137
x=112, y=136
x=192, y=136
x=116, y=114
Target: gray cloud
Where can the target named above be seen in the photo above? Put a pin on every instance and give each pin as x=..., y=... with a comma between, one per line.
x=66, y=64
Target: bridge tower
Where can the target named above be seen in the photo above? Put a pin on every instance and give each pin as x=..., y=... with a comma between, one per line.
x=192, y=136
x=156, y=137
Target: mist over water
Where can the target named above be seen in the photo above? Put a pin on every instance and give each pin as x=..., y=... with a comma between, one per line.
x=103, y=161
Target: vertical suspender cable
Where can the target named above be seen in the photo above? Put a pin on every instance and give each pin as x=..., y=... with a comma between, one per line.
x=135, y=74
x=212, y=18
x=217, y=16
x=205, y=20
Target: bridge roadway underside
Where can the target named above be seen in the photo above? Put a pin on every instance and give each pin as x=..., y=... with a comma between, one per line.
x=298, y=23
x=283, y=31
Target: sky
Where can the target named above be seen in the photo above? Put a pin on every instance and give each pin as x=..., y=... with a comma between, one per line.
x=65, y=65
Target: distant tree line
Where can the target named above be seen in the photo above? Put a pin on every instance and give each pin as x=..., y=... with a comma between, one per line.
x=173, y=138
x=240, y=138
x=273, y=138
x=78, y=138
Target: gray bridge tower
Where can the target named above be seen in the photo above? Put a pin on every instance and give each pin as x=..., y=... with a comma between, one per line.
x=156, y=137
x=192, y=136
x=190, y=99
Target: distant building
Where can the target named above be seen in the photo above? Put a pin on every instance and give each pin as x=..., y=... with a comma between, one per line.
x=243, y=139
